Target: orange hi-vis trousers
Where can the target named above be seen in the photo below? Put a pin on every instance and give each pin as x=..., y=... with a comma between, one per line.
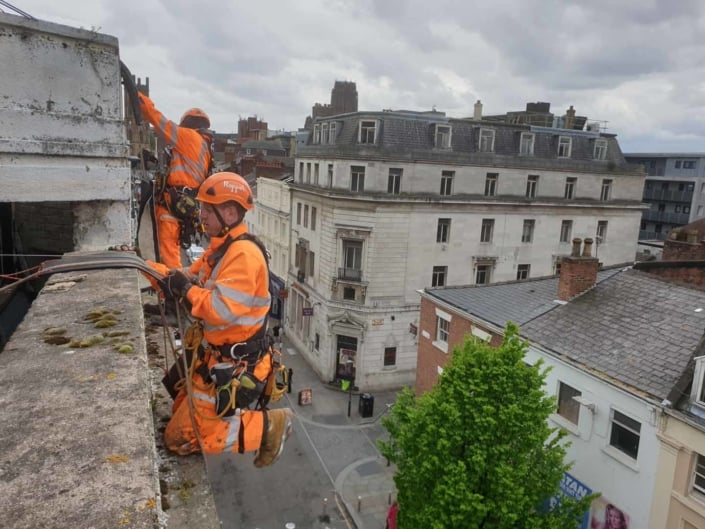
x=168, y=231
x=241, y=432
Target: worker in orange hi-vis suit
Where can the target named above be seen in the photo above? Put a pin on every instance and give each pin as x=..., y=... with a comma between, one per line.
x=227, y=289
x=189, y=144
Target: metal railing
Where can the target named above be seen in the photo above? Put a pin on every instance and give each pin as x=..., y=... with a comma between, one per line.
x=351, y=274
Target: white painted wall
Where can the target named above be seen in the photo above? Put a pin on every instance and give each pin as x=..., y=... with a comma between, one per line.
x=626, y=483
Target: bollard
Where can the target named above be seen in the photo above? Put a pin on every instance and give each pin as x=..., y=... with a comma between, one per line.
x=324, y=518
x=291, y=375
x=359, y=503
x=389, y=498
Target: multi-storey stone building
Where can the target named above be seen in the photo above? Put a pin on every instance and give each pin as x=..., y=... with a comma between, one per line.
x=385, y=203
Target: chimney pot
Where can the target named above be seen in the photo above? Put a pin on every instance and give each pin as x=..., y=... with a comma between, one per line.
x=587, y=247
x=575, y=252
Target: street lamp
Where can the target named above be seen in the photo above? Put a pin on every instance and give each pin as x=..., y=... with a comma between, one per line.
x=349, y=363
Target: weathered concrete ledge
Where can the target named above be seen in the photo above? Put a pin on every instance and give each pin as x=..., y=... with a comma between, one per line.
x=76, y=431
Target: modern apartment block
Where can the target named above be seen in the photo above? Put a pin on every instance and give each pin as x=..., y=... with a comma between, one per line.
x=674, y=190
x=386, y=203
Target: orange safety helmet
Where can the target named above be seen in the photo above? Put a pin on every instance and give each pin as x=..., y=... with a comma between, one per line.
x=196, y=113
x=220, y=188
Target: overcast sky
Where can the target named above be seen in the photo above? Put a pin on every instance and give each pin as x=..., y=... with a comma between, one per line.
x=638, y=65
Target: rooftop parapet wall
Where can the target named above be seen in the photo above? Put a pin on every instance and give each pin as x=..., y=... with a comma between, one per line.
x=77, y=435
x=61, y=124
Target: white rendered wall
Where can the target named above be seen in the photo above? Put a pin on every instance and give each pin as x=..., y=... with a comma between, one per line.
x=626, y=483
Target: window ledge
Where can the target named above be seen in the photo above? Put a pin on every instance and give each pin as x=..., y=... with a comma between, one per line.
x=389, y=368
x=443, y=346
x=693, y=500
x=621, y=457
x=564, y=423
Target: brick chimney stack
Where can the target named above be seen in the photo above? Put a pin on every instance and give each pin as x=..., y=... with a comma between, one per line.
x=569, y=118
x=578, y=271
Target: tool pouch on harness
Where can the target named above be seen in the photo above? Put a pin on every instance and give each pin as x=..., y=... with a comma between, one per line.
x=182, y=204
x=222, y=377
x=249, y=390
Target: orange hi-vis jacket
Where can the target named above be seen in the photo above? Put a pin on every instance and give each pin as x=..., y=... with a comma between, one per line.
x=190, y=155
x=233, y=297
x=232, y=300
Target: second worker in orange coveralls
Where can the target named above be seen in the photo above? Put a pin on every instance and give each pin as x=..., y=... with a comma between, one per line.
x=189, y=165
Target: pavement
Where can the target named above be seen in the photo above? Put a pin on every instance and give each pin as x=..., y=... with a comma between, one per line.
x=364, y=482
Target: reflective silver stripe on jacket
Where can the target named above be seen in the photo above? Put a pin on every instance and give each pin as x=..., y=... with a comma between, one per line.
x=203, y=397
x=171, y=138
x=242, y=320
x=233, y=430
x=181, y=163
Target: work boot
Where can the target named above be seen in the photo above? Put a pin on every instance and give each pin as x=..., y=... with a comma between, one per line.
x=278, y=427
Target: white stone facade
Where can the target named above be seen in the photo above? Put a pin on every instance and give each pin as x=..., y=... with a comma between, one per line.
x=365, y=252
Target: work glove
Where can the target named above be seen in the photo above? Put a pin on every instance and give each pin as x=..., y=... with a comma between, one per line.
x=176, y=284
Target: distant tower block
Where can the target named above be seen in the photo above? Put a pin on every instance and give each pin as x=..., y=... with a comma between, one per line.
x=343, y=97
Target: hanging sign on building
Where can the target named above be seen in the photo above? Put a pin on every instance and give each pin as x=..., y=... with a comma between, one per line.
x=307, y=311
x=413, y=329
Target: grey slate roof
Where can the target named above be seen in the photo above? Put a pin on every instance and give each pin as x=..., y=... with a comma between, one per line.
x=636, y=328
x=407, y=135
x=499, y=303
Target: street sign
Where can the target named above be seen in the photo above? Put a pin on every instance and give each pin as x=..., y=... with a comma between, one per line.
x=412, y=329
x=307, y=311
x=305, y=396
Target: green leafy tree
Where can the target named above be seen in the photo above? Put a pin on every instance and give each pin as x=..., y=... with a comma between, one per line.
x=477, y=450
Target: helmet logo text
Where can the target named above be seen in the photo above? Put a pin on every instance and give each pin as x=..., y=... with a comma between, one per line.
x=234, y=188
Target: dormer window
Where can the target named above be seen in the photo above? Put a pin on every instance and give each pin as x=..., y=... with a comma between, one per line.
x=316, y=133
x=600, y=152
x=324, y=133
x=564, y=146
x=331, y=136
x=698, y=391
x=526, y=145
x=368, y=131
x=442, y=138
x=486, y=140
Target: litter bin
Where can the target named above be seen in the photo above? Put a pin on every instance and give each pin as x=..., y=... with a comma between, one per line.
x=367, y=405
